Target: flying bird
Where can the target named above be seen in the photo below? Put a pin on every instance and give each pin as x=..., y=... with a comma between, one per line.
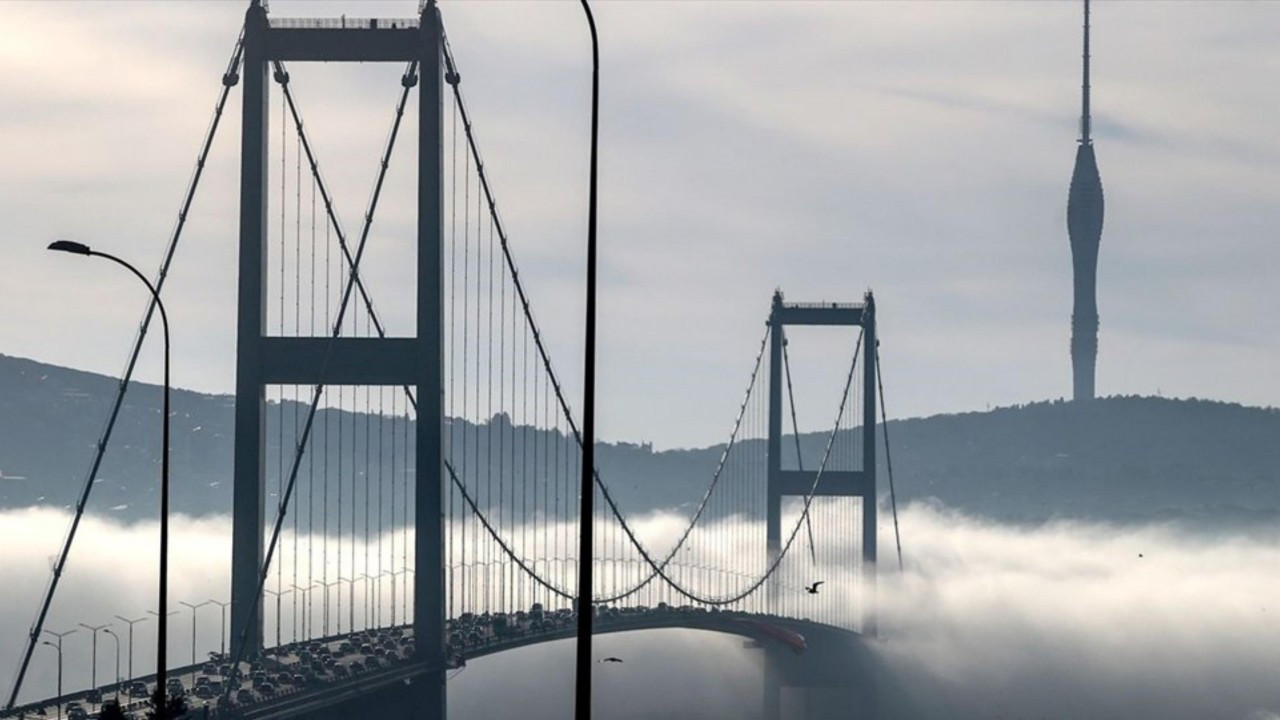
x=611, y=660
x=813, y=589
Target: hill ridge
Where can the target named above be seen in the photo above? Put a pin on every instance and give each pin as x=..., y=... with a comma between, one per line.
x=1116, y=458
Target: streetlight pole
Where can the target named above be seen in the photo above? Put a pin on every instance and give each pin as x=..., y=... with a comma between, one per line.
x=406, y=605
x=130, y=623
x=223, y=637
x=351, y=604
x=278, y=595
x=324, y=610
x=392, y=575
x=586, y=510
x=115, y=637
x=93, y=662
x=338, y=620
x=368, y=599
x=305, y=594
x=162, y=633
x=58, y=647
x=193, y=633
x=162, y=660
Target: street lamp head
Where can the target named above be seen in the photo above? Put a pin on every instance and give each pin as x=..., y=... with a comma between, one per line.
x=70, y=246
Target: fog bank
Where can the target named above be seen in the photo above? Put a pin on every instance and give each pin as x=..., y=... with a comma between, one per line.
x=1063, y=620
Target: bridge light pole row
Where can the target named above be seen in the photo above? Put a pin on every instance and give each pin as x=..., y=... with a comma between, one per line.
x=119, y=645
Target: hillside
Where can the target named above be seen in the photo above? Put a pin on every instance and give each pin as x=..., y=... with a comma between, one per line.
x=1121, y=458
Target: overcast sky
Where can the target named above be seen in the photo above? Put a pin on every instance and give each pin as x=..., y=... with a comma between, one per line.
x=920, y=149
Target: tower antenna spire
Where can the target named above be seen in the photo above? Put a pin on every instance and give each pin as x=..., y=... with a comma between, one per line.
x=1085, y=119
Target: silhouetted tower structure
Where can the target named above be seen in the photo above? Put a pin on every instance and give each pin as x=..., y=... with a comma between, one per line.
x=860, y=483
x=263, y=359
x=857, y=483
x=1084, y=227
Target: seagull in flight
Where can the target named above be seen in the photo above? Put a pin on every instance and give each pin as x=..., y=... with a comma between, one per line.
x=611, y=660
x=813, y=589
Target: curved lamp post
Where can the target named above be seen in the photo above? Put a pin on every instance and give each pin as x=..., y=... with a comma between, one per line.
x=586, y=511
x=115, y=637
x=76, y=248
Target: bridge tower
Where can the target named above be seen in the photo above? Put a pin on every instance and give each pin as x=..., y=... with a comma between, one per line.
x=825, y=693
x=860, y=483
x=263, y=360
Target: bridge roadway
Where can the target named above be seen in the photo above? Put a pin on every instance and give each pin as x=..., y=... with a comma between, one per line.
x=298, y=679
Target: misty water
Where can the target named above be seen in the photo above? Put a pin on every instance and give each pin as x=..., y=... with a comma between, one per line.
x=988, y=620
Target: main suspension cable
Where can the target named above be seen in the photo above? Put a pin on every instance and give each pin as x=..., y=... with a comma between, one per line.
x=527, y=307
x=229, y=79
x=808, y=500
x=888, y=459
x=795, y=433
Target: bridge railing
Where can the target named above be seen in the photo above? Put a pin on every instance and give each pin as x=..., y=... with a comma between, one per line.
x=344, y=23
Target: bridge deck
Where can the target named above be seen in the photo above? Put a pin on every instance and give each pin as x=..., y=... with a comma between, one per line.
x=367, y=661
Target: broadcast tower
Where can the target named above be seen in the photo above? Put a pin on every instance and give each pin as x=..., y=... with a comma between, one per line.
x=1084, y=228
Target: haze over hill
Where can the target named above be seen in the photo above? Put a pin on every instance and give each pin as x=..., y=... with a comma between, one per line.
x=1116, y=459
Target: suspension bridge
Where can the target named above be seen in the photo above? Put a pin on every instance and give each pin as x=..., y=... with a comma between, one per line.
x=404, y=503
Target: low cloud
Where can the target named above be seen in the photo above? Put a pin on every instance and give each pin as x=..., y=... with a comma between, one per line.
x=1071, y=620
x=1061, y=620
